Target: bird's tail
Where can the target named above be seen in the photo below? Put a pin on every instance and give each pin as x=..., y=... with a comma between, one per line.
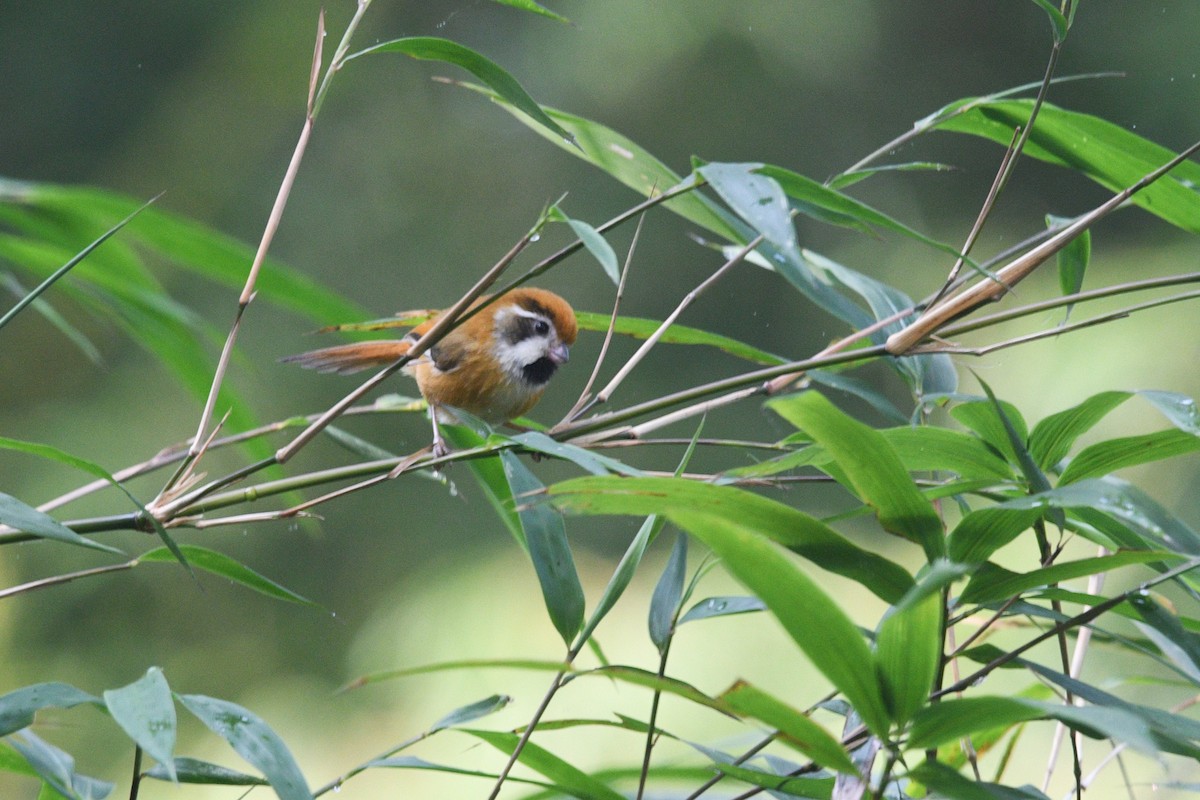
x=347, y=358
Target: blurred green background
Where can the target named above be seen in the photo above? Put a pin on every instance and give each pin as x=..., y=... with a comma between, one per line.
x=410, y=188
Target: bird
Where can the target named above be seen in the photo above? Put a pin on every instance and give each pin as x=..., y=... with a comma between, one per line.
x=496, y=365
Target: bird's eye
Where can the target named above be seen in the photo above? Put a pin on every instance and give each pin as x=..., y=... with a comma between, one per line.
x=541, y=327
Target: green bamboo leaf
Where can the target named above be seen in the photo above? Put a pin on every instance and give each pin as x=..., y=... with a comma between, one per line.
x=827, y=204
x=991, y=583
x=145, y=710
x=254, y=741
x=1057, y=21
x=472, y=712
x=447, y=666
x=1173, y=733
x=535, y=8
x=760, y=201
x=431, y=48
x=226, y=567
x=67, y=267
x=668, y=593
x=489, y=472
x=593, y=462
x=17, y=708
x=1179, y=409
x=1109, y=155
x=980, y=417
x=594, y=242
x=192, y=770
x=984, y=531
x=1111, y=455
x=816, y=623
x=623, y=574
x=414, y=762
x=640, y=328
x=908, y=649
x=548, y=549
x=721, y=607
x=844, y=179
x=874, y=471
x=957, y=718
x=11, y=761
x=566, y=777
x=1164, y=628
x=57, y=768
x=670, y=497
x=28, y=519
x=948, y=784
x=1052, y=438
x=1072, y=259
x=795, y=728
x=860, y=389
x=925, y=448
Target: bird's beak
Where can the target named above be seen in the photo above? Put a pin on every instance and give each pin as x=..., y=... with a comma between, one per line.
x=559, y=354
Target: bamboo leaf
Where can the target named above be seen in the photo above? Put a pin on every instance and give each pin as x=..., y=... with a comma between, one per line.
x=548, y=549
x=254, y=741
x=640, y=328
x=984, y=531
x=594, y=242
x=531, y=6
x=17, y=708
x=566, y=777
x=670, y=497
x=722, y=607
x=57, y=768
x=623, y=574
x=991, y=583
x=432, y=48
x=1108, y=154
x=874, y=471
x=145, y=710
x=668, y=593
x=1111, y=455
x=908, y=649
x=795, y=728
x=28, y=519
x=1052, y=438
x=816, y=623
x=226, y=567
x=192, y=770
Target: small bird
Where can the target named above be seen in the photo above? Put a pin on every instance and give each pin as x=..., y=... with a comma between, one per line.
x=495, y=365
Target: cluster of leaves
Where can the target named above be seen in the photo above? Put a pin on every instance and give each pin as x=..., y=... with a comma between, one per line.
x=955, y=495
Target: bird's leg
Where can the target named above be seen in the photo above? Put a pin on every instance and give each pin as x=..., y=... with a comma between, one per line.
x=439, y=444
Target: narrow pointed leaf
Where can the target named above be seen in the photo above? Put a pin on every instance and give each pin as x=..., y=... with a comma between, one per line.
x=489, y=472
x=984, y=531
x=623, y=573
x=950, y=785
x=566, y=777
x=980, y=416
x=145, y=710
x=28, y=519
x=954, y=719
x=908, y=649
x=1052, y=438
x=594, y=242
x=1178, y=408
x=595, y=463
x=535, y=8
x=1167, y=632
x=254, y=741
x=640, y=328
x=1111, y=455
x=57, y=768
x=1072, y=259
x=796, y=728
x=192, y=770
x=816, y=623
x=226, y=567
x=874, y=471
x=18, y=707
x=548, y=549
x=992, y=583
x=722, y=607
x=924, y=448
x=1108, y=154
x=472, y=712
x=670, y=497
x=664, y=603
x=432, y=48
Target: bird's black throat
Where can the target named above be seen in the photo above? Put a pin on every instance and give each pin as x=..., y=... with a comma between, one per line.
x=539, y=371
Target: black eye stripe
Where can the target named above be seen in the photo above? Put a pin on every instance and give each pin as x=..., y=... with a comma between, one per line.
x=518, y=328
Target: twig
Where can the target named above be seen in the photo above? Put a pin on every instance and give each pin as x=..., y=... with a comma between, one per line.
x=585, y=400
x=989, y=289
x=57, y=580
x=604, y=394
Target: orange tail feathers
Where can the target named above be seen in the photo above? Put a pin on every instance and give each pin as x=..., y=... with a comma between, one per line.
x=347, y=358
